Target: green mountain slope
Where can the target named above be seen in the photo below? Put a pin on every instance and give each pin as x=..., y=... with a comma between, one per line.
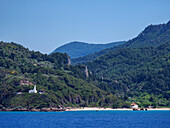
x=153, y=35
x=134, y=71
x=79, y=49
x=138, y=69
x=62, y=84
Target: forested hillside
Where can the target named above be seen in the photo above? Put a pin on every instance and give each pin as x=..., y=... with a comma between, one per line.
x=61, y=83
x=144, y=68
x=138, y=69
x=90, y=57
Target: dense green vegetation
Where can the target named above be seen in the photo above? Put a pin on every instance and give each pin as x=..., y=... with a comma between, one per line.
x=132, y=71
x=91, y=57
x=63, y=84
x=79, y=49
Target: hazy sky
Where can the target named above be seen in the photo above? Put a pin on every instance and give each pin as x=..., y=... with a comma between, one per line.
x=44, y=25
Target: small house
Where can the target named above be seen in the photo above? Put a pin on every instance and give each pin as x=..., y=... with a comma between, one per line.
x=150, y=106
x=134, y=105
x=41, y=92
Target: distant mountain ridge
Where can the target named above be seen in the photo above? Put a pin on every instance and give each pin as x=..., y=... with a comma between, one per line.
x=153, y=35
x=78, y=49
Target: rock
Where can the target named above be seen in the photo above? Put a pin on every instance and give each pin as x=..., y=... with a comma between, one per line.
x=25, y=82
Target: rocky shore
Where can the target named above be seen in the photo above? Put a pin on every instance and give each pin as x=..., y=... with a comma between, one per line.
x=34, y=110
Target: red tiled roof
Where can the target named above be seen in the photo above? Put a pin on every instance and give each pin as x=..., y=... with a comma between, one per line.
x=133, y=103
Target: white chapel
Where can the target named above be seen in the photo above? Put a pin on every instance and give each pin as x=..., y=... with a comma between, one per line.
x=34, y=90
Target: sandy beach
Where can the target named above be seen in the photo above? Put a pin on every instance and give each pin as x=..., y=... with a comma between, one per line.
x=158, y=108
x=106, y=109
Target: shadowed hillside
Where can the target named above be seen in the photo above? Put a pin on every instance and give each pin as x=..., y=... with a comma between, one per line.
x=79, y=49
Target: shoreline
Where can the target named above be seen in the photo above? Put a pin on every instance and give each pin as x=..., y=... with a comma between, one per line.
x=79, y=109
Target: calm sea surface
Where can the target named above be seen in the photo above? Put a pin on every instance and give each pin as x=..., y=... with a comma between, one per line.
x=86, y=119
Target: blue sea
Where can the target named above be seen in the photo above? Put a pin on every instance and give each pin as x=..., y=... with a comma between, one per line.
x=86, y=119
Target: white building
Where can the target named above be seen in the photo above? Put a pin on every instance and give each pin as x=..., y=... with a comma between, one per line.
x=41, y=92
x=34, y=90
x=134, y=106
x=18, y=93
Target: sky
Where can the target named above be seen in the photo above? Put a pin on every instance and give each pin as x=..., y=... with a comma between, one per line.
x=43, y=25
